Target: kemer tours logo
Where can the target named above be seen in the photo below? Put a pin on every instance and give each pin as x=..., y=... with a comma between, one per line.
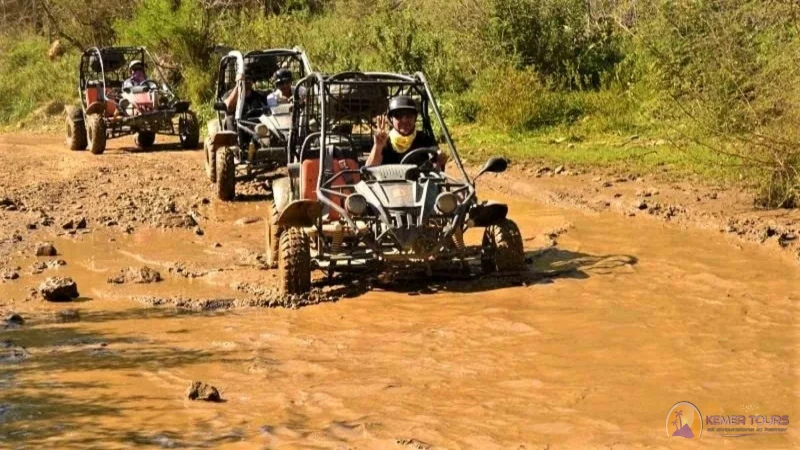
x=684, y=420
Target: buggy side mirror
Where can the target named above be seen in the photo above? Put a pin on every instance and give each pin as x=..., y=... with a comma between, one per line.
x=221, y=107
x=495, y=164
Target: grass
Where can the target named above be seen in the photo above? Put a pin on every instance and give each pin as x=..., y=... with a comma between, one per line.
x=34, y=88
x=643, y=154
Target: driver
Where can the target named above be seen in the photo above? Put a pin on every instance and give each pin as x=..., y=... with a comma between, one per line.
x=253, y=99
x=136, y=69
x=389, y=147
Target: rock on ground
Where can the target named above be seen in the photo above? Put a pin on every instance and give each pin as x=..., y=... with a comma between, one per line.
x=46, y=249
x=59, y=289
x=202, y=391
x=139, y=275
x=14, y=320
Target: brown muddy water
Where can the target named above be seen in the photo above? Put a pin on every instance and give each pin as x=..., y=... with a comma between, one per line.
x=618, y=322
x=595, y=358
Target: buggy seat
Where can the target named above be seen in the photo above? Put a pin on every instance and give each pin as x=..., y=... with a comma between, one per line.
x=309, y=171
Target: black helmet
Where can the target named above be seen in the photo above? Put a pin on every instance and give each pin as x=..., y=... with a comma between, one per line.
x=282, y=76
x=402, y=103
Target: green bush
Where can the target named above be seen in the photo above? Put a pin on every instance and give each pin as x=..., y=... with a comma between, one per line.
x=31, y=80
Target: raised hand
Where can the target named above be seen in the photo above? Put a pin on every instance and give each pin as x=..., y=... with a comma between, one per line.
x=381, y=132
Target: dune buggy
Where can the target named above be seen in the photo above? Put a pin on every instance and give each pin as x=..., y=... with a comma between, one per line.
x=242, y=143
x=334, y=214
x=109, y=110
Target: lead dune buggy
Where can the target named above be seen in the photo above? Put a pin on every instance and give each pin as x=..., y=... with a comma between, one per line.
x=244, y=143
x=108, y=110
x=336, y=215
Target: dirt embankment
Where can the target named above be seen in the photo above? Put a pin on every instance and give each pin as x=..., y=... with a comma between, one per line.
x=686, y=203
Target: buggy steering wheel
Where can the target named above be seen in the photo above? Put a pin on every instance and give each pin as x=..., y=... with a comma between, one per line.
x=152, y=85
x=254, y=113
x=421, y=156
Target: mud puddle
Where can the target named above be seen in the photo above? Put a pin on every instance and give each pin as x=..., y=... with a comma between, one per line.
x=616, y=321
x=642, y=316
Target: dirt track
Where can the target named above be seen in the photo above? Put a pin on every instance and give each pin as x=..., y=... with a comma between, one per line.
x=620, y=320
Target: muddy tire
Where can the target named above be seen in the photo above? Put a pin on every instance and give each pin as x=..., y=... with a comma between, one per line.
x=75, y=130
x=226, y=174
x=96, y=133
x=211, y=163
x=294, y=262
x=502, y=249
x=273, y=235
x=281, y=196
x=189, y=131
x=145, y=139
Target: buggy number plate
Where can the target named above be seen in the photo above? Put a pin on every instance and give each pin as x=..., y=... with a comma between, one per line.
x=400, y=193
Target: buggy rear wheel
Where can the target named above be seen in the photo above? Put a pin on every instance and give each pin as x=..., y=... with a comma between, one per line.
x=145, y=139
x=502, y=248
x=96, y=133
x=226, y=174
x=75, y=130
x=210, y=163
x=294, y=262
x=189, y=131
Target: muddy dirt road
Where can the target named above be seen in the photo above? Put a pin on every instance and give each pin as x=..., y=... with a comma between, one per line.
x=618, y=321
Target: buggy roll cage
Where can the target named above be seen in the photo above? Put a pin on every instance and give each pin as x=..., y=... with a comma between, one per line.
x=128, y=54
x=293, y=53
x=403, y=84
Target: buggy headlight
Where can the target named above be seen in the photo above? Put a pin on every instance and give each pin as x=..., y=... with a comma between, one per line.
x=356, y=204
x=261, y=130
x=446, y=202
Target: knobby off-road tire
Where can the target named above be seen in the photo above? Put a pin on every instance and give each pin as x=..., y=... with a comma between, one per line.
x=226, y=174
x=294, y=262
x=210, y=163
x=96, y=133
x=75, y=129
x=280, y=198
x=502, y=249
x=189, y=131
x=145, y=139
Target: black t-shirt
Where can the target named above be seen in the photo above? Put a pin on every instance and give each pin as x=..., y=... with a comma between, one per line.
x=254, y=100
x=392, y=156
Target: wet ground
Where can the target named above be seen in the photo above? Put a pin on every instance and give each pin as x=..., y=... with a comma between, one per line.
x=617, y=320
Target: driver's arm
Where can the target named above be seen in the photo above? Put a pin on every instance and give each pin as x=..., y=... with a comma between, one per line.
x=375, y=157
x=230, y=101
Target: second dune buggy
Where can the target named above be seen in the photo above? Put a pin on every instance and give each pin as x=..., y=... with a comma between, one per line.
x=334, y=214
x=244, y=142
x=110, y=110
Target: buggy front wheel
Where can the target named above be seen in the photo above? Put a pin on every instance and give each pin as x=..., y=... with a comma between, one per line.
x=145, y=139
x=294, y=262
x=189, y=131
x=96, y=133
x=226, y=174
x=502, y=249
x=210, y=163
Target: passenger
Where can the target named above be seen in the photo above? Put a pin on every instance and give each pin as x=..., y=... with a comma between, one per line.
x=283, y=89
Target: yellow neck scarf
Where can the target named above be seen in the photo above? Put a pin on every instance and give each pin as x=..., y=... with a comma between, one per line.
x=401, y=143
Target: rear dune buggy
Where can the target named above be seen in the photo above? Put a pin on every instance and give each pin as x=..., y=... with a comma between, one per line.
x=335, y=215
x=109, y=110
x=243, y=143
